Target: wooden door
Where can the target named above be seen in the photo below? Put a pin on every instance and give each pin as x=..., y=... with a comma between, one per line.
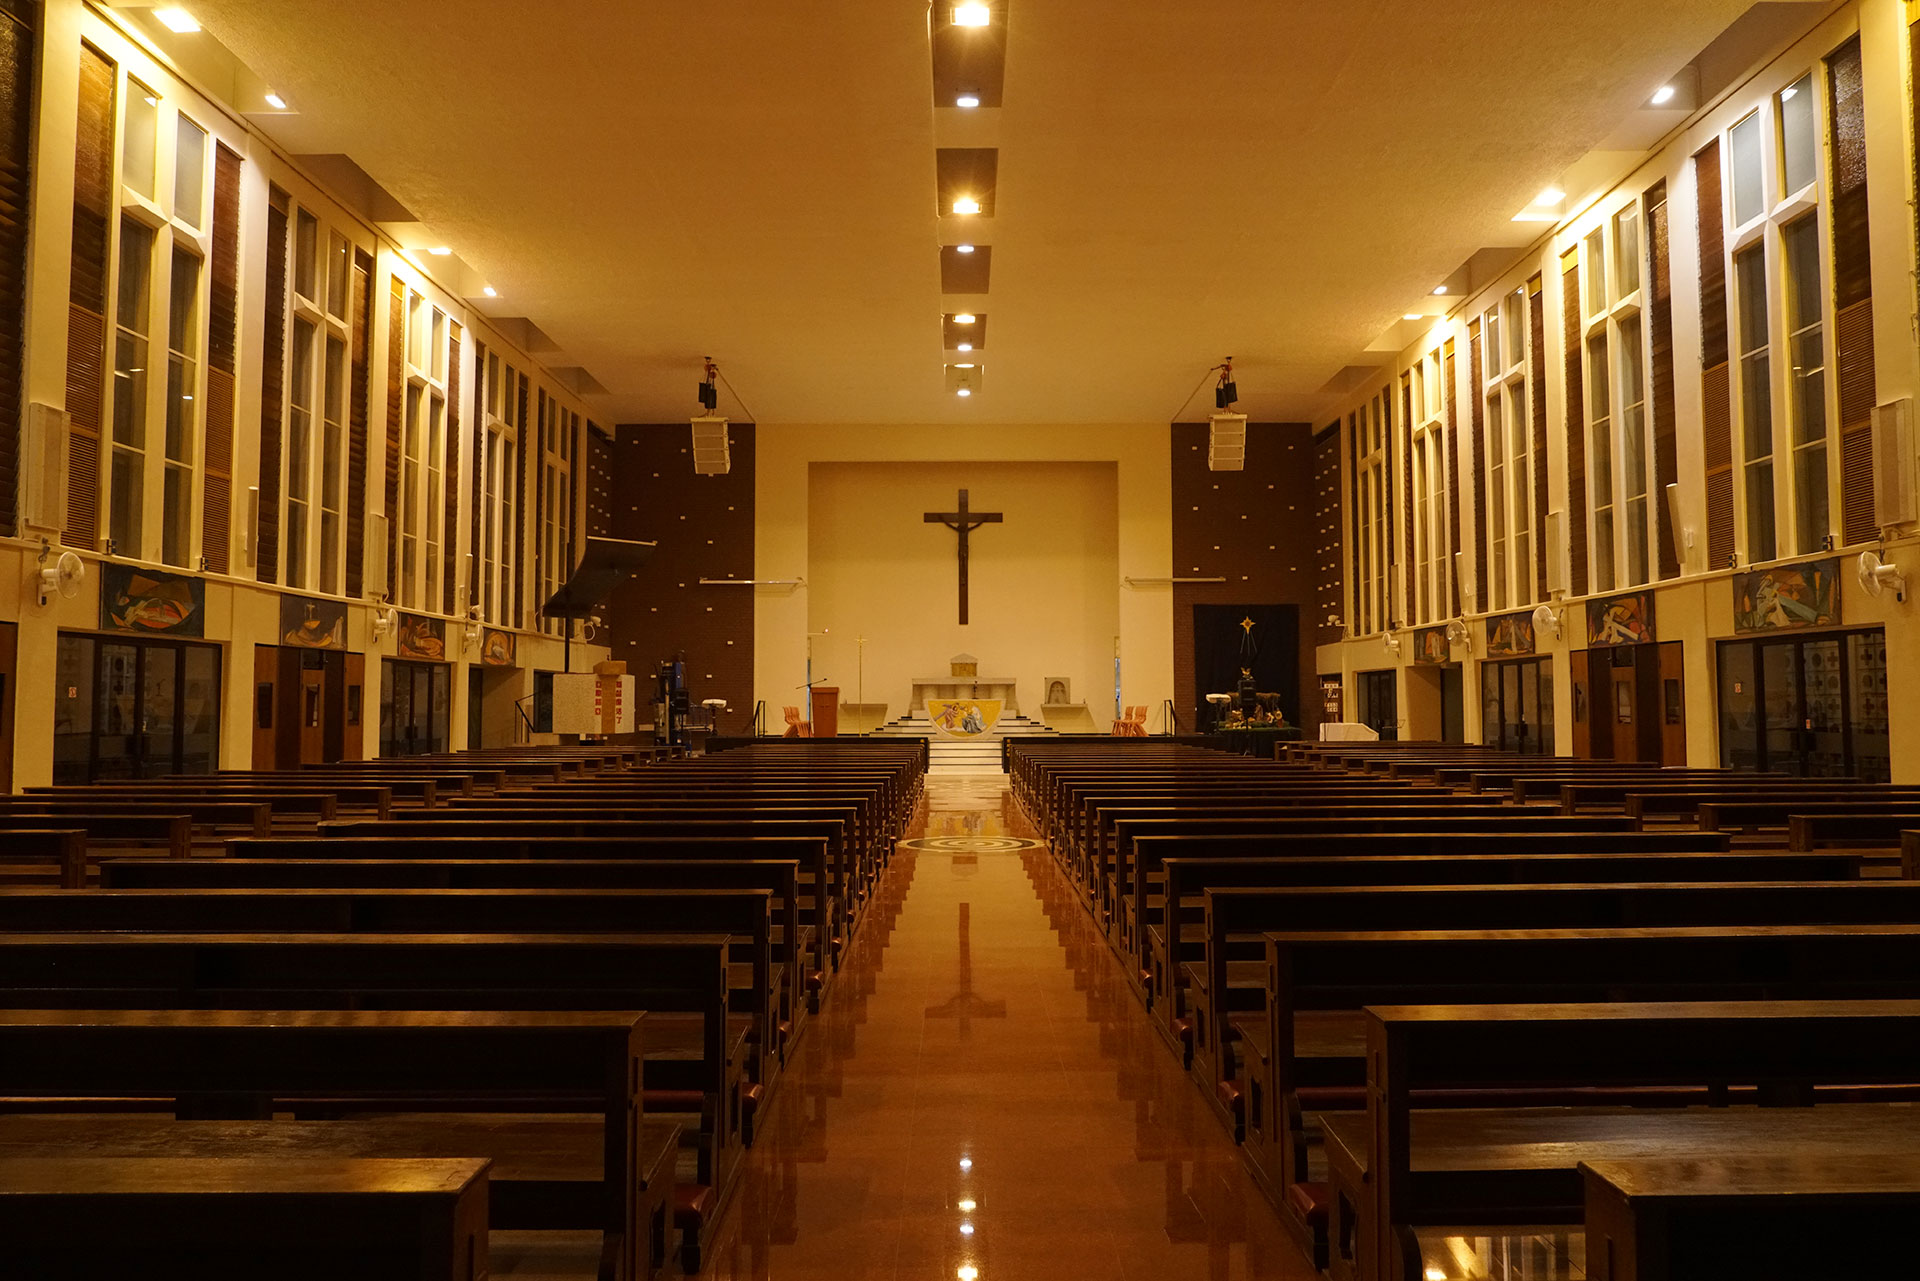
x=1673, y=706
x=9, y=650
x=266, y=709
x=1623, y=706
x=353, y=746
x=313, y=695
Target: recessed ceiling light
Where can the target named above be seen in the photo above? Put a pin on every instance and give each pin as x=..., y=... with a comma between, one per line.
x=275, y=101
x=967, y=1204
x=176, y=20
x=964, y=318
x=964, y=391
x=439, y=251
x=971, y=15
x=965, y=346
x=1663, y=95
x=963, y=249
x=966, y=205
x=967, y=100
x=1550, y=196
x=1439, y=289
x=966, y=1229
x=963, y=366
x=1413, y=315
x=491, y=292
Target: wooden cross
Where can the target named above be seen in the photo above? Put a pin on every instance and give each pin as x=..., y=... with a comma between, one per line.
x=963, y=522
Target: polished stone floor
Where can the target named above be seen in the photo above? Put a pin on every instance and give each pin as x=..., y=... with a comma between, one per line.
x=983, y=1097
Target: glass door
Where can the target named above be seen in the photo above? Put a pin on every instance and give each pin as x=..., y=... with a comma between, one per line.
x=1814, y=706
x=1516, y=705
x=134, y=709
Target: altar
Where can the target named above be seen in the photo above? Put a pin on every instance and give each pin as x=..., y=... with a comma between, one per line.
x=963, y=681
x=1000, y=687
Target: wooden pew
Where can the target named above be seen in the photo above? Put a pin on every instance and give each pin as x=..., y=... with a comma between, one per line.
x=1739, y=1216
x=793, y=943
x=1306, y=1055
x=1150, y=951
x=744, y=913
x=1783, y=1047
x=216, y=819
x=545, y=833
x=1235, y=917
x=188, y=1219
x=694, y=1065
x=807, y=922
x=40, y=853
x=318, y=802
x=250, y=1061
x=1869, y=824
x=157, y=829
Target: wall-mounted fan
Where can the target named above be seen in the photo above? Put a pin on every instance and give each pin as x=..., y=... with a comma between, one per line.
x=1459, y=633
x=62, y=578
x=1877, y=576
x=1546, y=621
x=1391, y=643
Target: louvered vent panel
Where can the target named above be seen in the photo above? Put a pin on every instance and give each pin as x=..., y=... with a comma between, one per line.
x=215, y=522
x=1537, y=455
x=86, y=356
x=357, y=411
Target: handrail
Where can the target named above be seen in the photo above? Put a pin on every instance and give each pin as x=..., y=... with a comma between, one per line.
x=757, y=727
x=1171, y=717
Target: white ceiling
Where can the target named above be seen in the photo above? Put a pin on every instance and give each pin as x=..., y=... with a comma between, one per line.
x=651, y=182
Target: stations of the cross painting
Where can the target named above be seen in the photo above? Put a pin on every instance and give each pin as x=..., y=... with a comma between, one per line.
x=963, y=523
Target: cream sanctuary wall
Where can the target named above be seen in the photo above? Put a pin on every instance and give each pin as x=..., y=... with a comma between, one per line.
x=1696, y=608
x=241, y=612
x=1142, y=548
x=1042, y=597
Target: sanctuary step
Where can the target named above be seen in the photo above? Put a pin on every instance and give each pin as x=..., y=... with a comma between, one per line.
x=964, y=755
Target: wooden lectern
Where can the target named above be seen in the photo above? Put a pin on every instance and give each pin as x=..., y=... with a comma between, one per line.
x=826, y=711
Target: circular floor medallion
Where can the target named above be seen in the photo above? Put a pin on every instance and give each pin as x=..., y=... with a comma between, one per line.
x=970, y=844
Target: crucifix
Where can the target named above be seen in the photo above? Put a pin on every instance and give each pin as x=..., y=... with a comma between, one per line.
x=962, y=522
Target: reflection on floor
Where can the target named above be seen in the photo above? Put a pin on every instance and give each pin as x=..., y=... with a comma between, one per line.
x=984, y=1092
x=1544, y=1256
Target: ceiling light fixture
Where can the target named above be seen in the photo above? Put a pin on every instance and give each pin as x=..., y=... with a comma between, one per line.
x=966, y=205
x=439, y=251
x=964, y=391
x=491, y=292
x=1663, y=95
x=965, y=318
x=275, y=101
x=967, y=100
x=963, y=249
x=1550, y=196
x=967, y=1204
x=1412, y=315
x=176, y=20
x=963, y=366
x=1439, y=289
x=971, y=15
x=965, y=346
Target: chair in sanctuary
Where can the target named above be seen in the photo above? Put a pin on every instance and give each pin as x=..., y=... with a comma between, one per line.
x=1133, y=723
x=797, y=728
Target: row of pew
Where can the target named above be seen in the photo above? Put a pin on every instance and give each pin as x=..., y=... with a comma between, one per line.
x=1428, y=986
x=411, y=1003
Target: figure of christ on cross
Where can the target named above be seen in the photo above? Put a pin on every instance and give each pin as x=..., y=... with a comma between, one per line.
x=963, y=522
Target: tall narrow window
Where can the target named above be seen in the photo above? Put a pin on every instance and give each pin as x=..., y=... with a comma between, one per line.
x=1807, y=383
x=1600, y=459
x=332, y=461
x=1497, y=491
x=1799, y=150
x=1745, y=152
x=1520, y=476
x=1756, y=397
x=435, y=493
x=1633, y=448
x=1626, y=244
x=412, y=459
x=127, y=476
x=300, y=451
x=183, y=409
x=140, y=144
x=189, y=172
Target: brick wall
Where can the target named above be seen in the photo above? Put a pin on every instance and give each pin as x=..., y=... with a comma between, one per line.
x=704, y=528
x=1256, y=529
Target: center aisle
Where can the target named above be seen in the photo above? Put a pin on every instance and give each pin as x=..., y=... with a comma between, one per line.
x=984, y=1091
